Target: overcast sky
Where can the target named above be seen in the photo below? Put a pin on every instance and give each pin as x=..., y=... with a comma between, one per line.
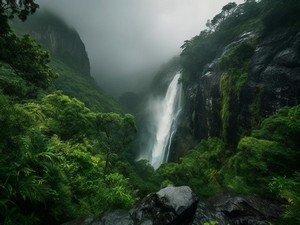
x=127, y=40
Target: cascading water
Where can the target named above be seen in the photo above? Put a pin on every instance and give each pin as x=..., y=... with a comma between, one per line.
x=164, y=113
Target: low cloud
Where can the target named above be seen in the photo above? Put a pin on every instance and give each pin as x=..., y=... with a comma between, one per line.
x=127, y=40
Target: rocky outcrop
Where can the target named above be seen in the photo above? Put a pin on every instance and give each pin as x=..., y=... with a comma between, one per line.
x=229, y=208
x=171, y=205
x=275, y=68
x=180, y=206
x=272, y=81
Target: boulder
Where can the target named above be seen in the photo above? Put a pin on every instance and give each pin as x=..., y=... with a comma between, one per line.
x=229, y=208
x=171, y=205
x=117, y=217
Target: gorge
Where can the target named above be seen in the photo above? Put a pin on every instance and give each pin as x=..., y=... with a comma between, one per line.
x=216, y=134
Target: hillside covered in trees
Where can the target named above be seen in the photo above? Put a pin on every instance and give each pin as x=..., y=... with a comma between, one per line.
x=56, y=154
x=67, y=152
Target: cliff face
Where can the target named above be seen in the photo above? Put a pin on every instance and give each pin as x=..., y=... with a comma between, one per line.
x=69, y=60
x=227, y=105
x=62, y=41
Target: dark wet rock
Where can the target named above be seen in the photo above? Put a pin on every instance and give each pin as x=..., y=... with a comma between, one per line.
x=84, y=221
x=288, y=57
x=275, y=69
x=180, y=206
x=273, y=82
x=117, y=217
x=171, y=205
x=229, y=208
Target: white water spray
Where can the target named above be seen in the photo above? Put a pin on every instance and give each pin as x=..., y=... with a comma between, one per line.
x=164, y=113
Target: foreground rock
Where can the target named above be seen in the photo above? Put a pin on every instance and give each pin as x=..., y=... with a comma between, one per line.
x=180, y=206
x=117, y=217
x=229, y=208
x=171, y=205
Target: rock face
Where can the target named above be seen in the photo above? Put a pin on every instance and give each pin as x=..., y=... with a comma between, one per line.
x=272, y=81
x=61, y=40
x=275, y=68
x=169, y=206
x=228, y=208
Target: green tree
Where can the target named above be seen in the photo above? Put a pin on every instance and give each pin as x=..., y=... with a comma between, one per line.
x=256, y=162
x=280, y=13
x=92, y=191
x=10, y=8
x=33, y=188
x=117, y=133
x=21, y=8
x=273, y=150
x=67, y=117
x=199, y=168
x=283, y=127
x=289, y=189
x=27, y=59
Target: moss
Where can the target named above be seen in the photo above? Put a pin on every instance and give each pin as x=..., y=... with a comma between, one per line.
x=225, y=90
x=193, y=117
x=235, y=64
x=255, y=107
x=231, y=85
x=240, y=83
x=238, y=56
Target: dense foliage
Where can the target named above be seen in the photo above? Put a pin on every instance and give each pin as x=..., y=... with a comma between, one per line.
x=61, y=160
x=233, y=21
x=56, y=160
x=10, y=8
x=265, y=163
x=25, y=66
x=83, y=87
x=68, y=58
x=251, y=155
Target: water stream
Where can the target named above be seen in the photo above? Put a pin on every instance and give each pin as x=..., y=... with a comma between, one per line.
x=164, y=114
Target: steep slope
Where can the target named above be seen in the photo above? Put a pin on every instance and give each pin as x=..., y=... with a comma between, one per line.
x=54, y=35
x=55, y=153
x=68, y=58
x=243, y=68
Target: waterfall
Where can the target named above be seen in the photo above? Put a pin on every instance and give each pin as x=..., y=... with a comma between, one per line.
x=164, y=113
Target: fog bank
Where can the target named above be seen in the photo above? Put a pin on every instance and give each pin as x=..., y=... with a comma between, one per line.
x=127, y=40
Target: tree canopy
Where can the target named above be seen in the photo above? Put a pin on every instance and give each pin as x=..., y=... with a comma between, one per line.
x=21, y=8
x=11, y=8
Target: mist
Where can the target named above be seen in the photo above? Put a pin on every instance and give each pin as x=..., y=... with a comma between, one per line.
x=127, y=41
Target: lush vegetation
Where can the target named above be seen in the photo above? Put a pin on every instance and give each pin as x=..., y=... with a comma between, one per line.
x=234, y=20
x=57, y=158
x=251, y=155
x=265, y=163
x=70, y=64
x=83, y=87
x=61, y=160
